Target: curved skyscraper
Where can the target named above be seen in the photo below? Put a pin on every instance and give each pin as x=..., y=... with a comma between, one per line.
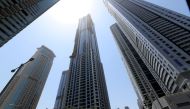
x=15, y=15
x=25, y=87
x=85, y=86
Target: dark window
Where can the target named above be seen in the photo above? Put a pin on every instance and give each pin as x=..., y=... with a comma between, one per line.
x=24, y=12
x=166, y=51
x=1, y=38
x=183, y=58
x=188, y=62
x=14, y=1
x=178, y=54
x=166, y=107
x=174, y=50
x=177, y=62
x=183, y=104
x=3, y=32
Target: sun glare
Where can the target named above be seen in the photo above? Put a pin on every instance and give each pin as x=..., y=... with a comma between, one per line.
x=69, y=11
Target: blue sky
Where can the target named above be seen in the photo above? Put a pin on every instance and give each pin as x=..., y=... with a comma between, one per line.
x=58, y=35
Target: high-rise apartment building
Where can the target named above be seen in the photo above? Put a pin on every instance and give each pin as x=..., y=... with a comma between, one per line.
x=161, y=38
x=25, y=87
x=144, y=83
x=126, y=107
x=85, y=86
x=60, y=94
x=188, y=3
x=15, y=15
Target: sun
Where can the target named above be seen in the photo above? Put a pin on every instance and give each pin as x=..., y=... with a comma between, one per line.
x=69, y=11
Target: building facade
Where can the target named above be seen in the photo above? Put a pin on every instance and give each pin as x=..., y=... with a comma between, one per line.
x=60, y=94
x=188, y=3
x=85, y=87
x=25, y=87
x=144, y=83
x=160, y=36
x=126, y=107
x=15, y=15
x=179, y=100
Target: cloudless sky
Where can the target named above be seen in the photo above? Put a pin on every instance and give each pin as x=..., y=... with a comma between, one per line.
x=56, y=29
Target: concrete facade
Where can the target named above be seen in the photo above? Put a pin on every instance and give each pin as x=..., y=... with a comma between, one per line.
x=160, y=37
x=179, y=100
x=25, y=87
x=60, y=94
x=15, y=15
x=85, y=87
x=144, y=83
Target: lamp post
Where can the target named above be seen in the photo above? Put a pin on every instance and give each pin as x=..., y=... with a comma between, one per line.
x=17, y=70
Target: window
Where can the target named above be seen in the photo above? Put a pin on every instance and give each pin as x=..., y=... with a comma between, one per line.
x=177, y=62
x=183, y=57
x=166, y=107
x=24, y=12
x=179, y=54
x=3, y=31
x=14, y=1
x=167, y=52
x=188, y=62
x=183, y=104
x=174, y=50
x=1, y=38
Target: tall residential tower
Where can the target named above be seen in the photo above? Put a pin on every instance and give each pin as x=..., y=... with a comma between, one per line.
x=15, y=15
x=25, y=87
x=144, y=83
x=85, y=86
x=188, y=3
x=160, y=37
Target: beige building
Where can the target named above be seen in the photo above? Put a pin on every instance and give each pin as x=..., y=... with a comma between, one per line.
x=25, y=87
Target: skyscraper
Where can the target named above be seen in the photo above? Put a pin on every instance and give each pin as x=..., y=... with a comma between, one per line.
x=85, y=86
x=15, y=15
x=188, y=3
x=144, y=83
x=61, y=91
x=161, y=38
x=25, y=87
x=126, y=107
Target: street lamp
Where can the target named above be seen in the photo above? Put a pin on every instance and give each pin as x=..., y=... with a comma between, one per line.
x=13, y=70
x=17, y=70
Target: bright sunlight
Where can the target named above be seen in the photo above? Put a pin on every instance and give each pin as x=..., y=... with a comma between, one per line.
x=69, y=11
